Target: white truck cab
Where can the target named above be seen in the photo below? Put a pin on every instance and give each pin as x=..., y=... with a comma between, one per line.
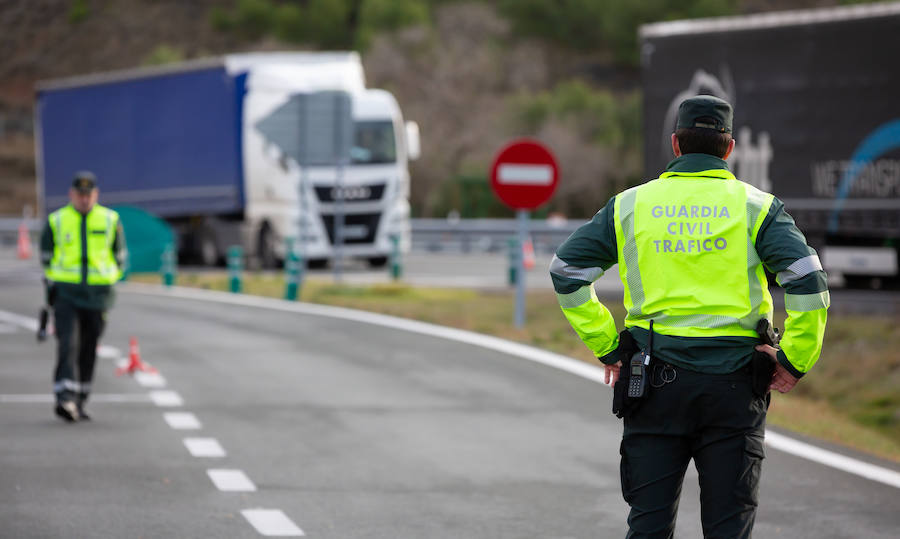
x=286, y=200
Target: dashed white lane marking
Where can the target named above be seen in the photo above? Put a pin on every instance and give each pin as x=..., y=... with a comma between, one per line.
x=204, y=447
x=150, y=379
x=231, y=480
x=182, y=420
x=558, y=361
x=272, y=523
x=835, y=460
x=95, y=397
x=166, y=398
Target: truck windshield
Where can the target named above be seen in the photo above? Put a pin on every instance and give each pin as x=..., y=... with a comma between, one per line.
x=373, y=143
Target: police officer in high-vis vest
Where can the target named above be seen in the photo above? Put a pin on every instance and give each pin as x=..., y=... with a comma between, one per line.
x=82, y=250
x=692, y=249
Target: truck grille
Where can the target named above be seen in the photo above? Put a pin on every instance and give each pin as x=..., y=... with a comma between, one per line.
x=359, y=228
x=352, y=193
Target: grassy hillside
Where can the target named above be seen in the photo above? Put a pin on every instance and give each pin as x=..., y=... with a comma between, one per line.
x=473, y=73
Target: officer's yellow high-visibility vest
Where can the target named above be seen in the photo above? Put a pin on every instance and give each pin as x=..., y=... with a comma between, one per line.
x=687, y=246
x=66, y=264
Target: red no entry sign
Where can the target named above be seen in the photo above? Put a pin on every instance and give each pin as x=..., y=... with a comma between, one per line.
x=524, y=174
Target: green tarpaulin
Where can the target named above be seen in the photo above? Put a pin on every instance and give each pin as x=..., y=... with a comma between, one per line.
x=146, y=237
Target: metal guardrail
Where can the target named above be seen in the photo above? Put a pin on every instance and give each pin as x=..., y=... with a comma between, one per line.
x=429, y=235
x=486, y=235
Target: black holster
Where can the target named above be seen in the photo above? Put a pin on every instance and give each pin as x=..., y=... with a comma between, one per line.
x=762, y=368
x=622, y=404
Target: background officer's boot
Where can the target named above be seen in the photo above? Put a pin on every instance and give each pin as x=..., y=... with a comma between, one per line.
x=67, y=410
x=82, y=400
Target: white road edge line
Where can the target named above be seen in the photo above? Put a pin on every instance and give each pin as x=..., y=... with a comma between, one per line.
x=830, y=458
x=557, y=361
x=272, y=523
x=204, y=447
x=182, y=420
x=231, y=480
x=95, y=397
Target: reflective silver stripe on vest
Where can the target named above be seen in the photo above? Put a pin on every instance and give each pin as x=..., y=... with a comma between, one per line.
x=755, y=202
x=66, y=384
x=630, y=254
x=799, y=269
x=109, y=236
x=575, y=299
x=696, y=321
x=807, y=302
x=56, y=246
x=564, y=269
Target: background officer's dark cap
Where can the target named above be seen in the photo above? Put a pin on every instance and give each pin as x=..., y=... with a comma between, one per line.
x=705, y=112
x=84, y=181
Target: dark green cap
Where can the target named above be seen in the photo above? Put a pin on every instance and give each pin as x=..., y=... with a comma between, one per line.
x=84, y=181
x=706, y=112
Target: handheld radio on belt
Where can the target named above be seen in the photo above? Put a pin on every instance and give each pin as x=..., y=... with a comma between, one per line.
x=637, y=380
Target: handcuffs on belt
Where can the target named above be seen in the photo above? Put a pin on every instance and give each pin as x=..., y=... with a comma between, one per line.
x=665, y=372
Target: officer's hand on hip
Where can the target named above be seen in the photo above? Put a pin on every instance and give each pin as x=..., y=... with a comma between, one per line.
x=782, y=380
x=611, y=373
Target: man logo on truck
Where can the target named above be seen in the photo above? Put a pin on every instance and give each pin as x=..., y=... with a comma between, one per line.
x=750, y=161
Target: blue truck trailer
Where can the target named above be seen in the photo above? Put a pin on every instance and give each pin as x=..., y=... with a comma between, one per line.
x=185, y=143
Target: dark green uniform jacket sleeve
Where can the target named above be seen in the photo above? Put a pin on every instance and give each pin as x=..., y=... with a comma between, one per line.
x=47, y=245
x=579, y=261
x=783, y=249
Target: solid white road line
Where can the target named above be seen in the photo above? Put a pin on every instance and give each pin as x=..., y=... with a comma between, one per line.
x=830, y=458
x=25, y=322
x=272, y=523
x=578, y=368
x=150, y=379
x=108, y=352
x=182, y=420
x=95, y=397
x=8, y=329
x=166, y=398
x=231, y=480
x=204, y=447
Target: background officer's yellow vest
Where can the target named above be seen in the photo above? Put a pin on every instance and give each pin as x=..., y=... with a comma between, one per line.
x=65, y=266
x=687, y=255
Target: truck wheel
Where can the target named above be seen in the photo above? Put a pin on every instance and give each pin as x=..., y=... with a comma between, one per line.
x=317, y=263
x=208, y=250
x=268, y=259
x=378, y=261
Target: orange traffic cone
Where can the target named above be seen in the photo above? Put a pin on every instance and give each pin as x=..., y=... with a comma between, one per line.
x=134, y=360
x=528, y=254
x=24, y=244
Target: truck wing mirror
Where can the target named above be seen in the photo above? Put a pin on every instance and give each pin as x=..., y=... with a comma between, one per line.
x=413, y=149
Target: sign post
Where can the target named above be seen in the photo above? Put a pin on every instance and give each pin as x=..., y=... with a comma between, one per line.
x=524, y=176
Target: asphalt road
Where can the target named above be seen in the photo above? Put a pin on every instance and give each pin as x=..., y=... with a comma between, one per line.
x=346, y=430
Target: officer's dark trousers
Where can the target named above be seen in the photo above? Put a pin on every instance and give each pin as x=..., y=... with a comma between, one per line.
x=77, y=333
x=715, y=420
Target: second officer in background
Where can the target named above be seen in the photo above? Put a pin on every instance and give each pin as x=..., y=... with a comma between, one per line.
x=83, y=252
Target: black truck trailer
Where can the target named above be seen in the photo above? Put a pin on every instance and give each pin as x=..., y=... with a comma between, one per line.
x=817, y=118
